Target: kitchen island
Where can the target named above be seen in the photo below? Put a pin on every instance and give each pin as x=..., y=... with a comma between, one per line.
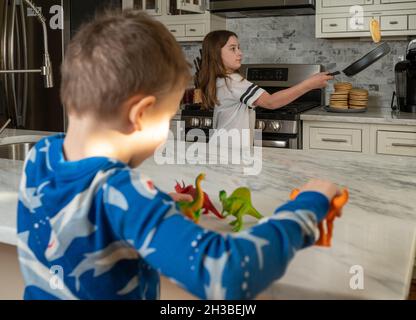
x=374, y=239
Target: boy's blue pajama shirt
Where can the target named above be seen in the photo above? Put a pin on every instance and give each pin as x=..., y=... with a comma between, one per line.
x=96, y=229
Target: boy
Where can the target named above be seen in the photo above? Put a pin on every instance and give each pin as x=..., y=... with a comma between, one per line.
x=103, y=228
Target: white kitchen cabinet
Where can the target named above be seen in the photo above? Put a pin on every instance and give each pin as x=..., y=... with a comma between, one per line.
x=152, y=7
x=196, y=6
x=396, y=143
x=343, y=3
x=334, y=25
x=335, y=139
x=351, y=18
x=399, y=140
x=335, y=136
x=412, y=22
x=188, y=20
x=393, y=22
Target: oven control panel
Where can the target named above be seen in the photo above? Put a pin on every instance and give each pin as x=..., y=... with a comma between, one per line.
x=267, y=74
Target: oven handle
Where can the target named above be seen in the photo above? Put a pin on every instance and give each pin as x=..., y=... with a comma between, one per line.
x=275, y=143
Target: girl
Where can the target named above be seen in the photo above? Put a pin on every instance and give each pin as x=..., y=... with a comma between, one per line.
x=233, y=97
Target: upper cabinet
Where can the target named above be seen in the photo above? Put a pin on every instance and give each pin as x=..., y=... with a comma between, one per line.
x=188, y=20
x=351, y=18
x=152, y=7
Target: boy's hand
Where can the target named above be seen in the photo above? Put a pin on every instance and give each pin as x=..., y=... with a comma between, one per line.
x=318, y=80
x=327, y=188
x=178, y=197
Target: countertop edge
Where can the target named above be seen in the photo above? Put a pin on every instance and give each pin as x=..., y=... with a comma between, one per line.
x=8, y=236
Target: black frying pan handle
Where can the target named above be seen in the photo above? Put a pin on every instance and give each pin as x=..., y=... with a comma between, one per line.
x=334, y=73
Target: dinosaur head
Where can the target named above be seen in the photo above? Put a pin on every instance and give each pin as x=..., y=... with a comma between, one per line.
x=180, y=188
x=199, y=178
x=223, y=196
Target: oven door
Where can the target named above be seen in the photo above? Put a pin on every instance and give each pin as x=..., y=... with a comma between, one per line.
x=282, y=141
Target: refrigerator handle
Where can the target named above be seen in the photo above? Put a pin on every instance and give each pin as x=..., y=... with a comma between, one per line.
x=4, y=50
x=11, y=51
x=25, y=64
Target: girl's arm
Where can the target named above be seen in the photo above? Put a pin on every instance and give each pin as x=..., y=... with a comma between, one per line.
x=284, y=97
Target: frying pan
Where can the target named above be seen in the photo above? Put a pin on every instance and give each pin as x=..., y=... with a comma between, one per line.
x=365, y=61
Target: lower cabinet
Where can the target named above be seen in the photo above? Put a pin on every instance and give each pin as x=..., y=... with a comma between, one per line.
x=336, y=136
x=396, y=143
x=364, y=138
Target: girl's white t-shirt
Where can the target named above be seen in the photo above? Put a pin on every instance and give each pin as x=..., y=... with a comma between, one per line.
x=236, y=97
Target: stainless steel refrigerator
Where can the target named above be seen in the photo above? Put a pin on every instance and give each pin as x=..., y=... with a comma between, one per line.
x=23, y=96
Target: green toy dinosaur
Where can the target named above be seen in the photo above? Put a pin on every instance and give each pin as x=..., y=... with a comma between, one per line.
x=193, y=209
x=238, y=204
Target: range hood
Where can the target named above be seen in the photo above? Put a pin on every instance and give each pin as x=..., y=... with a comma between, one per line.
x=261, y=8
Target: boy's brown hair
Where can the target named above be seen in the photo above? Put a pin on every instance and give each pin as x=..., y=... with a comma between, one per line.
x=116, y=56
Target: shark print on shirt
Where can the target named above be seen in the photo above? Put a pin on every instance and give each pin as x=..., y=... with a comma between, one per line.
x=112, y=232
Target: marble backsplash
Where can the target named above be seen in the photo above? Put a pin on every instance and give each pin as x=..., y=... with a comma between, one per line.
x=292, y=40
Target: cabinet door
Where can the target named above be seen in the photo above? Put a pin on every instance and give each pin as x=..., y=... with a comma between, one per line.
x=343, y=3
x=396, y=143
x=152, y=7
x=395, y=1
x=354, y=24
x=335, y=139
x=412, y=22
x=196, y=6
x=334, y=25
x=393, y=22
x=178, y=30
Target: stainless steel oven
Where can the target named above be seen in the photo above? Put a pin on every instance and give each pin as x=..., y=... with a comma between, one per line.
x=280, y=128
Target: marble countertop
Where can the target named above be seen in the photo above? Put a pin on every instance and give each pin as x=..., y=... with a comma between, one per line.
x=18, y=136
x=371, y=116
x=377, y=231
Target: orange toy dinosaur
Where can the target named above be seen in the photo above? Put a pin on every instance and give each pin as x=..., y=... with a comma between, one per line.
x=326, y=226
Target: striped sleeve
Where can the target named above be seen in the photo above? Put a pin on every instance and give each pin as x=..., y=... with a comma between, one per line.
x=245, y=91
x=250, y=96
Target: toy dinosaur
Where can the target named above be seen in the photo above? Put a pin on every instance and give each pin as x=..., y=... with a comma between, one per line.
x=193, y=209
x=326, y=226
x=207, y=206
x=238, y=204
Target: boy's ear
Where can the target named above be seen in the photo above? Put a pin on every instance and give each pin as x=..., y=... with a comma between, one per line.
x=139, y=105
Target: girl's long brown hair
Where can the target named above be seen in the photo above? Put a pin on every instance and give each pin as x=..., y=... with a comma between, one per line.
x=212, y=66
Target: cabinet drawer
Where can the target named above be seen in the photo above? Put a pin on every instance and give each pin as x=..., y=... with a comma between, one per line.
x=195, y=30
x=393, y=22
x=343, y=3
x=335, y=139
x=412, y=22
x=178, y=30
x=396, y=143
x=334, y=25
x=395, y=1
x=359, y=27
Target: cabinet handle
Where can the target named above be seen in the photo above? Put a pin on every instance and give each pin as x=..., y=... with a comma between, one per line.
x=193, y=30
x=334, y=140
x=393, y=22
x=410, y=145
x=172, y=30
x=333, y=24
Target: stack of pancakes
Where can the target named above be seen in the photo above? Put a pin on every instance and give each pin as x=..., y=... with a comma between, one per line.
x=339, y=99
x=347, y=97
x=358, y=98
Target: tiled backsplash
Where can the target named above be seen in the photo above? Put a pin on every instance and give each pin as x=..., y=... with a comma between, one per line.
x=292, y=40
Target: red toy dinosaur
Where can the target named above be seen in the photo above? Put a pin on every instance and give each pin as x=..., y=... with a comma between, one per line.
x=207, y=206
